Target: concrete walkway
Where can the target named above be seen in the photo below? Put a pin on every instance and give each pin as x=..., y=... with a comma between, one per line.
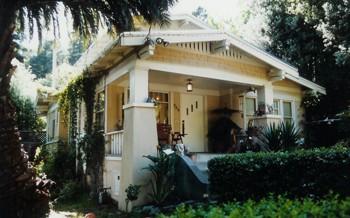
x=62, y=214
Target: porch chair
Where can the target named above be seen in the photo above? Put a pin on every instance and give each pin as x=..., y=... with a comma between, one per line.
x=164, y=134
x=176, y=138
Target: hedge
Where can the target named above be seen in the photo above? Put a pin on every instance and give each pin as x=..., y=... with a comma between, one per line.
x=303, y=173
x=269, y=207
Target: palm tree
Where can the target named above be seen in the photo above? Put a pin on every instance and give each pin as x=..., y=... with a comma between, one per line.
x=17, y=177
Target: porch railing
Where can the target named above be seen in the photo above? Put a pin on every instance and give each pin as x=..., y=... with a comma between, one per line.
x=115, y=143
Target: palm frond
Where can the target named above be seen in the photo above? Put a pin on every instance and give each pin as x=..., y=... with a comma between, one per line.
x=89, y=15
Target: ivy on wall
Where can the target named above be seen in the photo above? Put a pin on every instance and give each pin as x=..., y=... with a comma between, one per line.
x=90, y=147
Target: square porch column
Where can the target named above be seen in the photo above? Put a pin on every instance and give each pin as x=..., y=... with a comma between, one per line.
x=265, y=106
x=265, y=98
x=140, y=138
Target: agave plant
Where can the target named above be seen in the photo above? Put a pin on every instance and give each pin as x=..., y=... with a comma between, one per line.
x=290, y=135
x=271, y=137
x=283, y=136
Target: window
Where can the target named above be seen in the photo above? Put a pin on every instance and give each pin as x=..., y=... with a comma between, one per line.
x=287, y=111
x=100, y=110
x=276, y=107
x=52, y=123
x=162, y=110
x=250, y=107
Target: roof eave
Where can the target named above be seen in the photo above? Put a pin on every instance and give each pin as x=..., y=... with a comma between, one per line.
x=307, y=83
x=134, y=39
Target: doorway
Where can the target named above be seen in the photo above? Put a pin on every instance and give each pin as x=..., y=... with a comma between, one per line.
x=192, y=118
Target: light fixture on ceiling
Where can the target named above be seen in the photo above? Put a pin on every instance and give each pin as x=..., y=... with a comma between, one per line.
x=189, y=86
x=149, y=41
x=162, y=41
x=251, y=89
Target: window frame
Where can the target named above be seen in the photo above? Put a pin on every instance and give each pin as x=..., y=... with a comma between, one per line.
x=249, y=117
x=100, y=117
x=162, y=98
x=284, y=116
x=276, y=107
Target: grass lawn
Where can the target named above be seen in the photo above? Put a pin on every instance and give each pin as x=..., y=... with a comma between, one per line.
x=79, y=207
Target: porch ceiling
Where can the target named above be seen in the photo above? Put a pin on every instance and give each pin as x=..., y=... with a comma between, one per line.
x=172, y=79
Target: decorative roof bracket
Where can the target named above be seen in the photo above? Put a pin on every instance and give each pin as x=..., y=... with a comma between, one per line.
x=220, y=46
x=275, y=75
x=146, y=52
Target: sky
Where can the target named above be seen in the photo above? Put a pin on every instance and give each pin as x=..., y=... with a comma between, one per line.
x=216, y=8
x=219, y=9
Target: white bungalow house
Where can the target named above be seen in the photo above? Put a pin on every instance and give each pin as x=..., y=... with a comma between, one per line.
x=46, y=105
x=219, y=69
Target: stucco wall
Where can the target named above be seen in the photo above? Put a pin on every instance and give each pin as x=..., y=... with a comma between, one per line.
x=111, y=176
x=114, y=106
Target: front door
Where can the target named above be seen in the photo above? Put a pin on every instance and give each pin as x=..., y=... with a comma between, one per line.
x=192, y=117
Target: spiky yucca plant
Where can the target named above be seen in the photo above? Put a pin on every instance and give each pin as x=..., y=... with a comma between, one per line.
x=281, y=137
x=271, y=137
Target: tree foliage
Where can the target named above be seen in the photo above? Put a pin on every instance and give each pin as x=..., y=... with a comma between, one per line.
x=23, y=93
x=313, y=35
x=18, y=177
x=201, y=14
x=76, y=49
x=25, y=113
x=41, y=64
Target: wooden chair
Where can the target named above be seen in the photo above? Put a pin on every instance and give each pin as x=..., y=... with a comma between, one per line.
x=176, y=138
x=164, y=134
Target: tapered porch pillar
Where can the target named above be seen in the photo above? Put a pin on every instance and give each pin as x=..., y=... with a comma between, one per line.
x=140, y=138
x=265, y=106
x=265, y=98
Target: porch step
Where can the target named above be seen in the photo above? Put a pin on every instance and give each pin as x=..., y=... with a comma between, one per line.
x=192, y=174
x=191, y=182
x=204, y=157
x=203, y=167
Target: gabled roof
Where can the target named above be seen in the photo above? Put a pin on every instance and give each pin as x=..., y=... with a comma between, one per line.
x=186, y=28
x=43, y=102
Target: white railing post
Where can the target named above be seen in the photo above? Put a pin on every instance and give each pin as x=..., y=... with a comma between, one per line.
x=115, y=143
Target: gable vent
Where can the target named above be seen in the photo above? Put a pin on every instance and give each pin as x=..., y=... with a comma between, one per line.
x=205, y=47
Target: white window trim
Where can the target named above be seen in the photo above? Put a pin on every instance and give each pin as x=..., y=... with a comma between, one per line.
x=278, y=106
x=245, y=118
x=104, y=110
x=164, y=102
x=52, y=134
x=292, y=103
x=281, y=111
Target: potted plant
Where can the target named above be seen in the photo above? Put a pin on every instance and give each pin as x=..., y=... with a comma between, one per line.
x=132, y=194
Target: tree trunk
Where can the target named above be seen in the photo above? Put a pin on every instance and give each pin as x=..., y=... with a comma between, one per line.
x=19, y=192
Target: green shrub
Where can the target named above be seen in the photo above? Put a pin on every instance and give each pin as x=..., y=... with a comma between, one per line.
x=311, y=173
x=57, y=162
x=70, y=191
x=269, y=207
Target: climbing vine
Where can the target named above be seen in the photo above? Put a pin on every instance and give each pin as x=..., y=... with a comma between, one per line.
x=90, y=147
x=311, y=100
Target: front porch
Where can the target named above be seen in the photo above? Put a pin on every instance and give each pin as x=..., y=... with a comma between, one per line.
x=167, y=102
